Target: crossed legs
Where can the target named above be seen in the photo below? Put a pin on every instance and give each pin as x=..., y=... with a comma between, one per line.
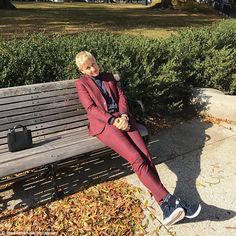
x=131, y=147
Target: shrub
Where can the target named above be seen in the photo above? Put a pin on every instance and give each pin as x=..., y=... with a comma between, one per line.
x=207, y=55
x=160, y=72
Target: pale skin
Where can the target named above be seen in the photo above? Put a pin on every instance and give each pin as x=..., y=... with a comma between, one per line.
x=91, y=68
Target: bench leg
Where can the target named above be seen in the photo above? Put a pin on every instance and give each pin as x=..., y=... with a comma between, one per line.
x=146, y=139
x=53, y=175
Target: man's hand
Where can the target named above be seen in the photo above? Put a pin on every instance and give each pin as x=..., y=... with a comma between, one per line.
x=125, y=116
x=126, y=126
x=121, y=123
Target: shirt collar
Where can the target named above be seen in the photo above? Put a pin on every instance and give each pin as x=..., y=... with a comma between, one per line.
x=96, y=77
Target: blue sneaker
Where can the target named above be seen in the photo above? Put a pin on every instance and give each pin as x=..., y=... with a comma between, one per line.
x=191, y=210
x=172, y=211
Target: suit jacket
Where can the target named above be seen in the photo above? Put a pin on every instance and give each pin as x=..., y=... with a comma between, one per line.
x=95, y=104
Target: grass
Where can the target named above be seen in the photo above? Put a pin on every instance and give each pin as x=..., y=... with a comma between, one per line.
x=69, y=18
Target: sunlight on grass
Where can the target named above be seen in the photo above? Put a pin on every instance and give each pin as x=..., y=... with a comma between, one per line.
x=67, y=18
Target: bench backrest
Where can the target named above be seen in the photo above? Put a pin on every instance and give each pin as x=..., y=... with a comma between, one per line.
x=45, y=108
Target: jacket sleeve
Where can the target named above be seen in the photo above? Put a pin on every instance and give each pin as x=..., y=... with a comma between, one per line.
x=89, y=105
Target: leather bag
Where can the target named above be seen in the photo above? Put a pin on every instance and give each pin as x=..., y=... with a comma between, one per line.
x=19, y=138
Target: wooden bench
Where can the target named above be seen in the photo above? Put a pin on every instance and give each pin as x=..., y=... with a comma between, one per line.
x=58, y=123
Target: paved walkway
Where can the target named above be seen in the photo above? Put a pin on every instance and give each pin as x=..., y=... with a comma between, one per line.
x=196, y=161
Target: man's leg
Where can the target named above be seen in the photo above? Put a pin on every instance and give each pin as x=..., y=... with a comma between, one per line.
x=140, y=144
x=121, y=143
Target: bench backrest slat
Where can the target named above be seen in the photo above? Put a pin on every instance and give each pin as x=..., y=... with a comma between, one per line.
x=37, y=88
x=38, y=114
x=41, y=119
x=36, y=96
x=33, y=109
x=37, y=102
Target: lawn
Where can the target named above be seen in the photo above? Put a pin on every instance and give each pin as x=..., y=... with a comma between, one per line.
x=69, y=18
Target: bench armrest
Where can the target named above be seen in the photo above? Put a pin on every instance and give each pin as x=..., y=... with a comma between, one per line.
x=137, y=109
x=137, y=102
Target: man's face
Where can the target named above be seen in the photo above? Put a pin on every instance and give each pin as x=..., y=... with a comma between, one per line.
x=90, y=68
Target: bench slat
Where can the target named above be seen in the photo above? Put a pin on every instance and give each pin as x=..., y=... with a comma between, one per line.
x=36, y=96
x=56, y=141
x=78, y=132
x=42, y=119
x=36, y=88
x=39, y=114
x=54, y=126
x=33, y=103
x=48, y=106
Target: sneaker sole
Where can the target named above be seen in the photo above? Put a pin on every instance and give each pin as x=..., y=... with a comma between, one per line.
x=195, y=214
x=176, y=216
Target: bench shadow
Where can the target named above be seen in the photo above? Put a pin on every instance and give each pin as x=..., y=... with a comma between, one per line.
x=42, y=142
x=82, y=172
x=73, y=175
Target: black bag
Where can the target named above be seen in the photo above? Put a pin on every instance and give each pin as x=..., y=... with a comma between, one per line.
x=19, y=140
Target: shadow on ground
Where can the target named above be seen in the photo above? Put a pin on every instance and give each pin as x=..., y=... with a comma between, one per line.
x=185, y=142
x=73, y=175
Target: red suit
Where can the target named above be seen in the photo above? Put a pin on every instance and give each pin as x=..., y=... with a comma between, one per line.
x=128, y=145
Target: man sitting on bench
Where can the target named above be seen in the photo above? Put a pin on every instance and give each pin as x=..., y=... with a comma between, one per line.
x=111, y=122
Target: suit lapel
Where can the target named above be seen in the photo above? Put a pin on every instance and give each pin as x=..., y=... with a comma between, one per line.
x=93, y=86
x=96, y=93
x=110, y=88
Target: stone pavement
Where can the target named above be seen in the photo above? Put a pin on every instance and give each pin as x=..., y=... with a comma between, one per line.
x=196, y=161
x=215, y=103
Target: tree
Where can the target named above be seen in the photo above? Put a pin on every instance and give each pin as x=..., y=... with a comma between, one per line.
x=164, y=4
x=6, y=4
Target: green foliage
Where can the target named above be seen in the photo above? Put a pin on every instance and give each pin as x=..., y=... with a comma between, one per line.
x=160, y=72
x=207, y=55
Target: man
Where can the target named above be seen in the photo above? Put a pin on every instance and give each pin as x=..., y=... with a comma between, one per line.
x=111, y=122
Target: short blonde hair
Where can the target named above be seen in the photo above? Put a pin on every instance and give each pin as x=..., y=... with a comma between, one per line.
x=82, y=57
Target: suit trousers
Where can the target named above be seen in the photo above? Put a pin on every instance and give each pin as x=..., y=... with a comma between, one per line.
x=131, y=147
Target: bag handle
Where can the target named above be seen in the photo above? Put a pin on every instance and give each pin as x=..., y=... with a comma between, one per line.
x=18, y=126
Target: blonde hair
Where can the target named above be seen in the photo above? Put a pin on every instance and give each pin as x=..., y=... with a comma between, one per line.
x=82, y=57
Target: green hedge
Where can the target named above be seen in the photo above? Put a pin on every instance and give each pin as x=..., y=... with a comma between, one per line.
x=160, y=72
x=207, y=56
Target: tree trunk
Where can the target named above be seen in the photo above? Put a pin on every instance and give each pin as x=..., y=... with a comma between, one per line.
x=166, y=4
x=6, y=4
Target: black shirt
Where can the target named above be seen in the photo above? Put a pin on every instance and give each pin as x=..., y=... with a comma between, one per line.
x=111, y=104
